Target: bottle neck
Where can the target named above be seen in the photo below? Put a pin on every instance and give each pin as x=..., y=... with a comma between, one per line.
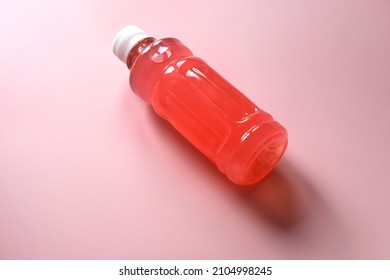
x=138, y=49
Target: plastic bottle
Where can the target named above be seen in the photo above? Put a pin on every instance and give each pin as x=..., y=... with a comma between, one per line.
x=244, y=142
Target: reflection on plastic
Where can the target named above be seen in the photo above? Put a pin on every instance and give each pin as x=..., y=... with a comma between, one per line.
x=243, y=141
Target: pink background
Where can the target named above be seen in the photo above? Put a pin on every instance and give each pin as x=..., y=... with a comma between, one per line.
x=88, y=171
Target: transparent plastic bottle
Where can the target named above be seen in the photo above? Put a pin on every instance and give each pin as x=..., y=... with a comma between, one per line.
x=244, y=142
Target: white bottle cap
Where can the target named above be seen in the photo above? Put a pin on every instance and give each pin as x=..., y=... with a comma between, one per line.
x=127, y=38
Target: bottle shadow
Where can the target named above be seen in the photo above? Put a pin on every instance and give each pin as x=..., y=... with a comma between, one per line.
x=277, y=199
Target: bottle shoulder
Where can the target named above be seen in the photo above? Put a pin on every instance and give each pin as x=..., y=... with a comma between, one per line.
x=150, y=64
x=166, y=49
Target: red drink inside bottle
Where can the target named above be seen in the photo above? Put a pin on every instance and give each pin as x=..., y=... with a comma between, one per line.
x=244, y=142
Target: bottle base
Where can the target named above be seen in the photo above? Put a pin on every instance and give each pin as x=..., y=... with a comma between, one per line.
x=257, y=154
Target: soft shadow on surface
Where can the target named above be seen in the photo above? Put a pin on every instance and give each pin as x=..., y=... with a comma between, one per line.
x=277, y=199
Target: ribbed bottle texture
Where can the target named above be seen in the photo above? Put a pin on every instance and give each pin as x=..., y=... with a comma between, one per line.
x=242, y=140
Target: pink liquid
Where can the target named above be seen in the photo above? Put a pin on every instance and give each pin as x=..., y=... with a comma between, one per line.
x=244, y=142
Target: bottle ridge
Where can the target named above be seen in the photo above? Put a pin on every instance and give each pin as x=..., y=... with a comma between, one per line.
x=243, y=141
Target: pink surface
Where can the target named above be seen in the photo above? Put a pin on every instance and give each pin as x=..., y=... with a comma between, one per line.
x=87, y=170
